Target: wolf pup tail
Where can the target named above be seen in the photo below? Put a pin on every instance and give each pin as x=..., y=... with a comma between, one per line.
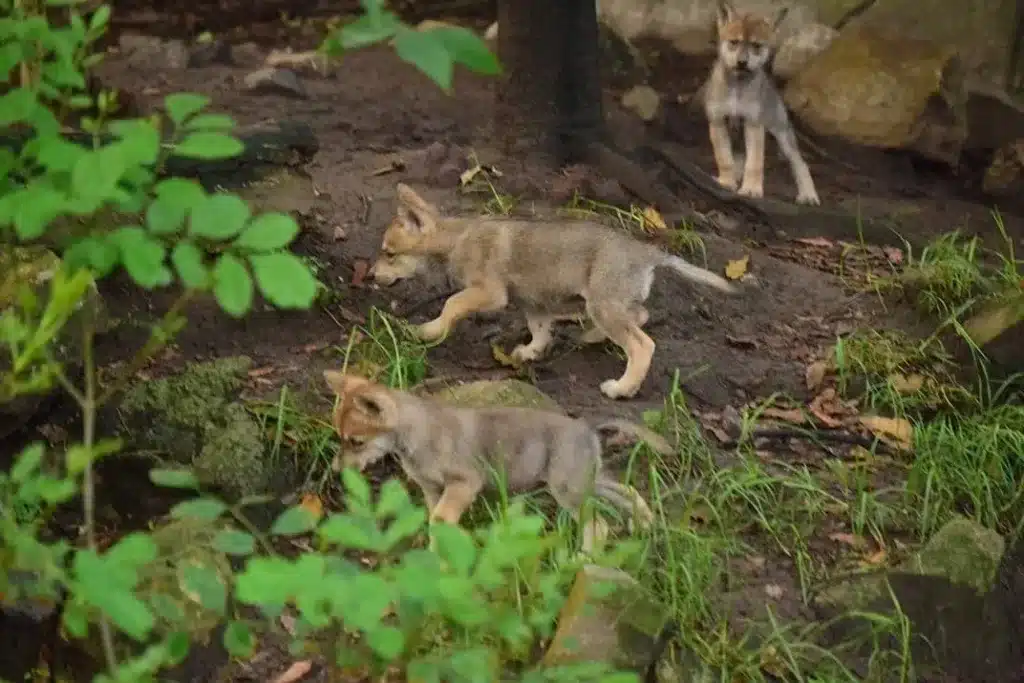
x=654, y=440
x=697, y=274
x=625, y=498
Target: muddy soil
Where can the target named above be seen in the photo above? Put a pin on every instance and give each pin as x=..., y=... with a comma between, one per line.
x=375, y=109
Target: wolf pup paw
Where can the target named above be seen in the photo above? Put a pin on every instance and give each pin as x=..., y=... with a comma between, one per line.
x=430, y=331
x=613, y=388
x=524, y=353
x=808, y=199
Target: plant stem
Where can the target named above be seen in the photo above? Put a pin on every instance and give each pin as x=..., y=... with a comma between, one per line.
x=89, y=407
x=157, y=340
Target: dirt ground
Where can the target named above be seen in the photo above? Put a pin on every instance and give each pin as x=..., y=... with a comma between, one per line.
x=727, y=350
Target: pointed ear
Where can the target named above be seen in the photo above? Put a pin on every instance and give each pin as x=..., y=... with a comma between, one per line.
x=726, y=13
x=341, y=383
x=409, y=198
x=779, y=17
x=376, y=403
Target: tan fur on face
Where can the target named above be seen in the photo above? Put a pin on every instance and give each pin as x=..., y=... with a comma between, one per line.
x=745, y=39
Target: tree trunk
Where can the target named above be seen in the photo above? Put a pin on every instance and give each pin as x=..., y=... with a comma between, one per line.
x=549, y=98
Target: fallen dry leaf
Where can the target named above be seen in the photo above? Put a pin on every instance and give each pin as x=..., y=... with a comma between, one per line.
x=503, y=358
x=876, y=558
x=260, y=372
x=312, y=504
x=823, y=407
x=895, y=431
x=395, y=165
x=814, y=375
x=653, y=219
x=734, y=270
x=791, y=415
x=815, y=241
x=894, y=255
x=360, y=267
x=466, y=177
x=740, y=342
x=295, y=672
x=907, y=384
x=851, y=540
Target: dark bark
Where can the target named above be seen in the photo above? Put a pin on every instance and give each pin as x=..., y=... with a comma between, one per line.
x=549, y=99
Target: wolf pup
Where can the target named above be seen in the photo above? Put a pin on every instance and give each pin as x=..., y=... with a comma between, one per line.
x=552, y=270
x=450, y=452
x=740, y=88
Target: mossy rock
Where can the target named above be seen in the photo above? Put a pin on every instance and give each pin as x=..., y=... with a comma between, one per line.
x=26, y=271
x=194, y=419
x=962, y=551
x=608, y=617
x=493, y=393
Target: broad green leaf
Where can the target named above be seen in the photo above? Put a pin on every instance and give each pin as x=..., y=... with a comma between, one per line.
x=182, y=105
x=372, y=27
x=98, y=254
x=265, y=581
x=356, y=485
x=467, y=48
x=387, y=642
x=78, y=457
x=211, y=122
x=234, y=542
x=206, y=509
x=16, y=106
x=239, y=640
x=268, y=232
x=143, y=257
x=205, y=586
x=284, y=279
x=428, y=54
x=128, y=613
x=232, y=286
x=27, y=463
x=181, y=192
x=393, y=498
x=455, y=546
x=140, y=141
x=188, y=261
x=131, y=552
x=294, y=520
x=219, y=217
x=95, y=174
x=175, y=479
x=209, y=145
x=34, y=208
x=351, y=533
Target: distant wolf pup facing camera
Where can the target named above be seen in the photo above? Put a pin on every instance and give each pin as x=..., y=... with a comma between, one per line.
x=452, y=452
x=740, y=89
x=553, y=270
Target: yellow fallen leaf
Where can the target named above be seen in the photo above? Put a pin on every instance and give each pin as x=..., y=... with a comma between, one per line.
x=467, y=176
x=653, y=219
x=907, y=384
x=734, y=270
x=896, y=432
x=503, y=358
x=312, y=504
x=815, y=375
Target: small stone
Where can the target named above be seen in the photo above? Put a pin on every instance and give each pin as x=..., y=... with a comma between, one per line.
x=247, y=54
x=643, y=100
x=272, y=81
x=339, y=233
x=210, y=53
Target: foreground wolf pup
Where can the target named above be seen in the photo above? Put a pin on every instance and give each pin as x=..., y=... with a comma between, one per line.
x=741, y=88
x=450, y=452
x=553, y=270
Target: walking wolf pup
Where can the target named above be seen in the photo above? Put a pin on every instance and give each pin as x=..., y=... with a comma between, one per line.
x=554, y=270
x=740, y=88
x=451, y=452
